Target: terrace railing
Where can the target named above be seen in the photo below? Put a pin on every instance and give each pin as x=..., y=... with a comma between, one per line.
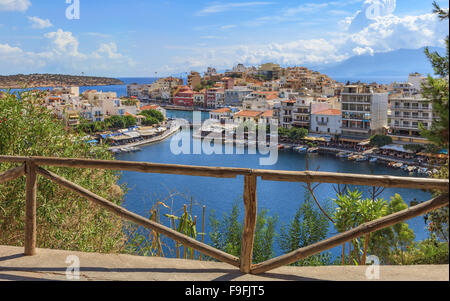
x=31, y=167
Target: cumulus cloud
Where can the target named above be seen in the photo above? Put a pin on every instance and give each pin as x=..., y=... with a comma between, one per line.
x=38, y=23
x=14, y=5
x=109, y=50
x=384, y=33
x=63, y=43
x=62, y=55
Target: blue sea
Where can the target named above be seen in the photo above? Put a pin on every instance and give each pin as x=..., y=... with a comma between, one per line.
x=280, y=199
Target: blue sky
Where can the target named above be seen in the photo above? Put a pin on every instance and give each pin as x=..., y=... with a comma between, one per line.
x=140, y=38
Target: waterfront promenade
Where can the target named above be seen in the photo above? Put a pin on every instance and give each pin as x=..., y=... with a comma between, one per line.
x=174, y=128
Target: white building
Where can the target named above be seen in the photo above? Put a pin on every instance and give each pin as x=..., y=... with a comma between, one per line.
x=364, y=113
x=327, y=122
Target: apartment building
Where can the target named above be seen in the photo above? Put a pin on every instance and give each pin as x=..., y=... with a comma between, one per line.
x=194, y=79
x=409, y=110
x=236, y=96
x=364, y=113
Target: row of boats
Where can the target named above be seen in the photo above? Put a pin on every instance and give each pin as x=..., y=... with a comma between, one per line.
x=398, y=165
x=300, y=149
x=129, y=149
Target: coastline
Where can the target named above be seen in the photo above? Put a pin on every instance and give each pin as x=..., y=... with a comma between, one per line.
x=166, y=135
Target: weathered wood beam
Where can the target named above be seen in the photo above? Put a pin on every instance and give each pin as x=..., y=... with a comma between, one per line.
x=353, y=179
x=30, y=211
x=132, y=217
x=338, y=240
x=12, y=174
x=248, y=236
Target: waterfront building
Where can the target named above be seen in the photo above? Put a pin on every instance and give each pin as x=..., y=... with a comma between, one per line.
x=247, y=116
x=297, y=112
x=184, y=97
x=220, y=98
x=364, y=113
x=211, y=96
x=200, y=99
x=236, y=96
x=327, y=122
x=409, y=110
x=221, y=114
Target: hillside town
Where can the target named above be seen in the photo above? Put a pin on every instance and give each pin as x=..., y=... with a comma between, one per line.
x=301, y=98
x=341, y=116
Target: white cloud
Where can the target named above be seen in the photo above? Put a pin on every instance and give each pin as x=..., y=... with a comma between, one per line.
x=361, y=51
x=38, y=23
x=62, y=55
x=386, y=33
x=306, y=8
x=14, y=5
x=110, y=50
x=219, y=8
x=64, y=43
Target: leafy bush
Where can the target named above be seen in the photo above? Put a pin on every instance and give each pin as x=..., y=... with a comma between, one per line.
x=226, y=235
x=427, y=252
x=65, y=220
x=380, y=140
x=153, y=114
x=309, y=226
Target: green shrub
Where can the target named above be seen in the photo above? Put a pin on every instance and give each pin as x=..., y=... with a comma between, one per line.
x=65, y=220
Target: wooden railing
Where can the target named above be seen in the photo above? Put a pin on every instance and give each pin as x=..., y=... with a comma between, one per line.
x=32, y=166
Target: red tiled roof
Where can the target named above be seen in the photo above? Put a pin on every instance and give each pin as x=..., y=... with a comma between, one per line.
x=248, y=114
x=332, y=112
x=223, y=110
x=149, y=107
x=268, y=113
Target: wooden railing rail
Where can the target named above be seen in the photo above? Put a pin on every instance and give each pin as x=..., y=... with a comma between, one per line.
x=32, y=167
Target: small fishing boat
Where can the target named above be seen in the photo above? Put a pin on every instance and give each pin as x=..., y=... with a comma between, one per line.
x=288, y=147
x=353, y=157
x=343, y=155
x=301, y=149
x=314, y=150
x=373, y=160
x=280, y=146
x=412, y=168
x=361, y=158
x=422, y=170
x=134, y=149
x=398, y=165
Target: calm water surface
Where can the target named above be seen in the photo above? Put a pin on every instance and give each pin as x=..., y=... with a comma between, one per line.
x=219, y=195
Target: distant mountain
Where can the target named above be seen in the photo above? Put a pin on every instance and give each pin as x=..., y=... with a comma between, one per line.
x=394, y=63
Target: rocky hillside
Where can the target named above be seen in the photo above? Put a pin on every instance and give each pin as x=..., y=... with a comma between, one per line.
x=54, y=80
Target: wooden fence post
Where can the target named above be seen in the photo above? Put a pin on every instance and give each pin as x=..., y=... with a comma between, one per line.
x=30, y=212
x=251, y=211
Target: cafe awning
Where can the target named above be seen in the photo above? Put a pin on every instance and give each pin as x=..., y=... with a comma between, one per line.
x=396, y=148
